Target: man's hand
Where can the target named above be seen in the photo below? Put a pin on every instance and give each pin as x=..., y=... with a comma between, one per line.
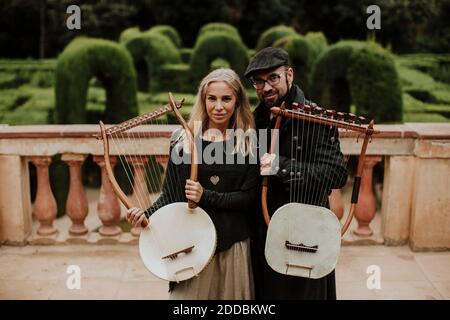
x=194, y=190
x=267, y=164
x=135, y=216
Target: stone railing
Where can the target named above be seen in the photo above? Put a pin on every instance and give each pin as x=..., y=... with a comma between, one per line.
x=415, y=204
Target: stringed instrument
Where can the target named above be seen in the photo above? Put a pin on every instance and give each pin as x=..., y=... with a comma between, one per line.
x=179, y=239
x=304, y=239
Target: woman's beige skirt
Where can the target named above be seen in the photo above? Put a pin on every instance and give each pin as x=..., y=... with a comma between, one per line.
x=227, y=277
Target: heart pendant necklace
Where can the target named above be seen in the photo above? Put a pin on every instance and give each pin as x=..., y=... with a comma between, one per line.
x=214, y=179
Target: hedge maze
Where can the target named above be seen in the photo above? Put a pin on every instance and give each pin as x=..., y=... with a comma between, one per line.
x=351, y=76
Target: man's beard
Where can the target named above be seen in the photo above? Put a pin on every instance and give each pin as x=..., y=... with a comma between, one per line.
x=270, y=103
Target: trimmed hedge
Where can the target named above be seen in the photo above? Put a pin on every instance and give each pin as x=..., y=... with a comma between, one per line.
x=186, y=54
x=176, y=77
x=362, y=73
x=218, y=44
x=303, y=53
x=219, y=26
x=152, y=50
x=317, y=41
x=169, y=32
x=268, y=37
x=109, y=62
x=301, y=57
x=27, y=65
x=129, y=33
x=435, y=65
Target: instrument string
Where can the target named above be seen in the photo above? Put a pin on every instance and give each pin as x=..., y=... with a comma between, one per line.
x=316, y=189
x=136, y=157
x=129, y=150
x=327, y=179
x=302, y=187
x=311, y=161
x=342, y=163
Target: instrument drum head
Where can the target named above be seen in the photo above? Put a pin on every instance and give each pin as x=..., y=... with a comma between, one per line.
x=174, y=228
x=304, y=227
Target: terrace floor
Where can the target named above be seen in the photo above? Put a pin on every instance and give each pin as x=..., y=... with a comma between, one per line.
x=116, y=272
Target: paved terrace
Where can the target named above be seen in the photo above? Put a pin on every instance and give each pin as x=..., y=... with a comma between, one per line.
x=116, y=272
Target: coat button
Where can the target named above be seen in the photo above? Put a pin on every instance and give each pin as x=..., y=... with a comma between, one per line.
x=298, y=173
x=299, y=148
x=332, y=139
x=283, y=172
x=292, y=174
x=294, y=138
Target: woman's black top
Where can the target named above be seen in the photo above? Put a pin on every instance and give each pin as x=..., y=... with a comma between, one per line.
x=230, y=190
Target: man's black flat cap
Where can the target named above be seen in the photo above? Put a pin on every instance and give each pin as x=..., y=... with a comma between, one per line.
x=267, y=58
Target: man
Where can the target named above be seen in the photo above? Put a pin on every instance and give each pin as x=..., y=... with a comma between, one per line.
x=309, y=155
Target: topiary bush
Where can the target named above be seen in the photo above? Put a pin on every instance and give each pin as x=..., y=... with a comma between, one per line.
x=10, y=79
x=169, y=32
x=268, y=37
x=176, y=77
x=150, y=52
x=163, y=29
x=303, y=53
x=43, y=79
x=219, y=26
x=301, y=58
x=318, y=42
x=218, y=44
x=360, y=73
x=129, y=33
x=186, y=54
x=111, y=64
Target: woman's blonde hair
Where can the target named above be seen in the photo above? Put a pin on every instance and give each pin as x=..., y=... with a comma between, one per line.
x=242, y=119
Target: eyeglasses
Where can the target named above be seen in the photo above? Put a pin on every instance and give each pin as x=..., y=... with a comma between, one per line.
x=272, y=80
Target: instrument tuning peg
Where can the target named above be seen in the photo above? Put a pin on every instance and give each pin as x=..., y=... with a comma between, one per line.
x=318, y=110
x=340, y=115
x=350, y=117
x=361, y=120
x=330, y=113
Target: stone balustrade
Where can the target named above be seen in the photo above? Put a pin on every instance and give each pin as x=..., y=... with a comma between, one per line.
x=415, y=202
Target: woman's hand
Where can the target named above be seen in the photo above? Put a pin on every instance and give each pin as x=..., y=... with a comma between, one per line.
x=194, y=190
x=135, y=216
x=267, y=164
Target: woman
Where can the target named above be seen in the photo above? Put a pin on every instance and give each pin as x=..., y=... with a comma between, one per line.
x=226, y=191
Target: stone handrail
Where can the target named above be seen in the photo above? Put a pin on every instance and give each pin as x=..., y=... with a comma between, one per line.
x=415, y=206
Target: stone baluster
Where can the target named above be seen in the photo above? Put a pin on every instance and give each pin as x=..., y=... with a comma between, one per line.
x=366, y=207
x=141, y=196
x=108, y=206
x=45, y=204
x=77, y=205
